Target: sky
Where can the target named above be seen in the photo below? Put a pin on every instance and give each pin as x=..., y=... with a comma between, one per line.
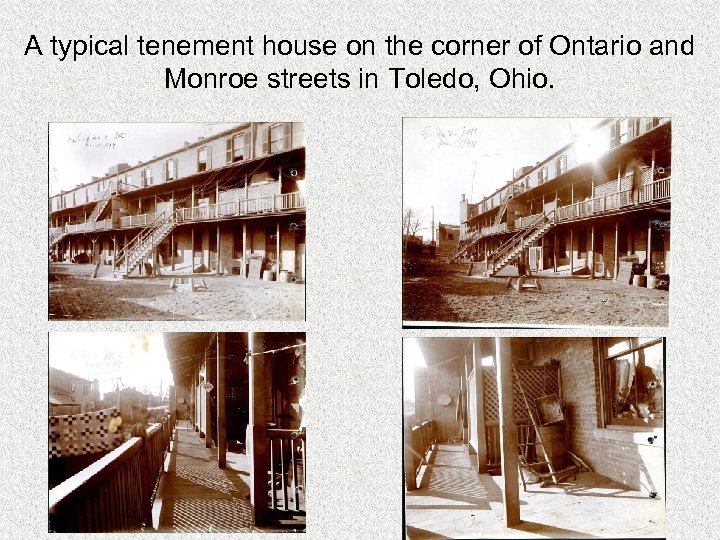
x=412, y=358
x=79, y=151
x=446, y=157
x=136, y=360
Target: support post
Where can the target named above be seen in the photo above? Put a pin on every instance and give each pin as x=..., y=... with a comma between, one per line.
x=479, y=413
x=277, y=250
x=210, y=376
x=256, y=430
x=616, y=260
x=222, y=439
x=648, y=256
x=217, y=252
x=192, y=249
x=592, y=251
x=508, y=432
x=572, y=250
x=244, y=248
x=172, y=251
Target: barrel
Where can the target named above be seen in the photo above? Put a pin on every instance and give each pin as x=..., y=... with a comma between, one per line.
x=650, y=282
x=640, y=281
x=553, y=438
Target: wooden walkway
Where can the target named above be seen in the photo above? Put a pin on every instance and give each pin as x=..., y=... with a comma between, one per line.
x=196, y=496
x=455, y=502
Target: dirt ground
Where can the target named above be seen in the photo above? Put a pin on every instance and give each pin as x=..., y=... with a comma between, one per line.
x=74, y=295
x=442, y=292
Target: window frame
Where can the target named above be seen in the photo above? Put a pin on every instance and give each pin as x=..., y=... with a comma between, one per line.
x=562, y=164
x=147, y=177
x=170, y=163
x=203, y=164
x=542, y=175
x=607, y=419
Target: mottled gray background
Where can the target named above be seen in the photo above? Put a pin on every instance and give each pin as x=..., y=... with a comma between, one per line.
x=354, y=211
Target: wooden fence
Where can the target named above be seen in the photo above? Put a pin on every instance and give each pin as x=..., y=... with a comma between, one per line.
x=115, y=493
x=418, y=444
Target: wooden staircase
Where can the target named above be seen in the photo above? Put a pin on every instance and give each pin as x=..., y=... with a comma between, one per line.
x=502, y=256
x=464, y=246
x=142, y=245
x=503, y=208
x=57, y=235
x=102, y=203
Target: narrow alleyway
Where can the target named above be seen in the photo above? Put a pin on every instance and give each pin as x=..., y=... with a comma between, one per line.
x=455, y=502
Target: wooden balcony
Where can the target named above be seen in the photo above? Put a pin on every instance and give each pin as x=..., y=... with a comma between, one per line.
x=88, y=226
x=273, y=204
x=494, y=229
x=143, y=220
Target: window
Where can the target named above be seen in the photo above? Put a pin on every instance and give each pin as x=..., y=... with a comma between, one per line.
x=450, y=236
x=170, y=172
x=203, y=159
x=561, y=164
x=620, y=132
x=542, y=175
x=276, y=138
x=633, y=381
x=527, y=181
x=85, y=390
x=650, y=123
x=238, y=148
x=72, y=387
x=128, y=180
x=147, y=177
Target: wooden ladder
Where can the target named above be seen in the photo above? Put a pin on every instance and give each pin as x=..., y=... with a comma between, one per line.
x=533, y=421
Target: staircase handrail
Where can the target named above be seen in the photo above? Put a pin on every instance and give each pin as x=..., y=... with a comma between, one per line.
x=101, y=203
x=143, y=235
x=521, y=235
x=503, y=206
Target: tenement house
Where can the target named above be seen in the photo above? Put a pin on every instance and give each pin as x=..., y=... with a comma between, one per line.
x=215, y=205
x=600, y=201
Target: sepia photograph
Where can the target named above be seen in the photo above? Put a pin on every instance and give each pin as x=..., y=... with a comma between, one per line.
x=536, y=221
x=173, y=221
x=177, y=432
x=520, y=437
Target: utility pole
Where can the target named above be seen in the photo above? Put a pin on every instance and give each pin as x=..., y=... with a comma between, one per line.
x=432, y=224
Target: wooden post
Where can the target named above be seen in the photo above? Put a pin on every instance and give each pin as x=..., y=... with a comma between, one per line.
x=211, y=377
x=508, y=432
x=192, y=249
x=172, y=251
x=616, y=260
x=555, y=253
x=222, y=440
x=277, y=252
x=648, y=256
x=217, y=252
x=592, y=251
x=244, y=248
x=572, y=250
x=256, y=431
x=480, y=401
x=410, y=478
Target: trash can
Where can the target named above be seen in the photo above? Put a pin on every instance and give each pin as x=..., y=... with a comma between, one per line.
x=553, y=438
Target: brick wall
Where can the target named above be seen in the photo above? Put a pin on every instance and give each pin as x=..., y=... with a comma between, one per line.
x=624, y=455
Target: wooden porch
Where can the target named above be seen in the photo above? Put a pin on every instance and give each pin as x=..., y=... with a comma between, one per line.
x=453, y=501
x=197, y=496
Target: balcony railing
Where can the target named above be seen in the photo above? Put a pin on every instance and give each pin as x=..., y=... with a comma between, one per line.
x=274, y=203
x=418, y=443
x=659, y=189
x=523, y=222
x=88, y=226
x=116, y=492
x=494, y=229
x=142, y=220
x=286, y=455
